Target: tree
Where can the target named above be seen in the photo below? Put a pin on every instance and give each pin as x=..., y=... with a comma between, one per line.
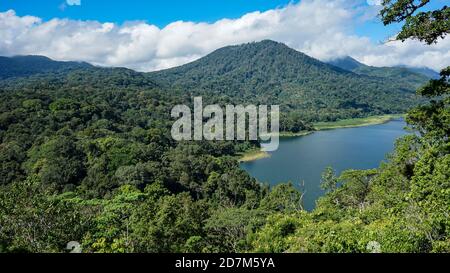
x=427, y=26
x=58, y=162
x=112, y=229
x=433, y=120
x=429, y=196
x=11, y=157
x=329, y=180
x=283, y=198
x=32, y=219
x=228, y=228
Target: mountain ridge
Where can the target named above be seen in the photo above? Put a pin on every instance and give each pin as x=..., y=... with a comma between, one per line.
x=269, y=72
x=28, y=65
x=408, y=74
x=265, y=72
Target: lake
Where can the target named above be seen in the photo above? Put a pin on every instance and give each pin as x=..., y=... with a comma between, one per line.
x=304, y=158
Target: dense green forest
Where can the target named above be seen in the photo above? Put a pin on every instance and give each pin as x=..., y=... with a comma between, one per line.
x=22, y=66
x=269, y=72
x=408, y=77
x=86, y=155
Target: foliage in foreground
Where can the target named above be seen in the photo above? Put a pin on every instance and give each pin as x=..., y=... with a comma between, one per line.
x=79, y=163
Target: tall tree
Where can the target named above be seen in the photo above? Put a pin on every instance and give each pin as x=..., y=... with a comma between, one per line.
x=427, y=26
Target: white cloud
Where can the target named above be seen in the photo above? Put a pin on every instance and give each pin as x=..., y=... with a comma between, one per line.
x=374, y=2
x=73, y=2
x=320, y=28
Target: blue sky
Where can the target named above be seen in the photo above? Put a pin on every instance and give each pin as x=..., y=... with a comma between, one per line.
x=162, y=13
x=143, y=35
x=155, y=12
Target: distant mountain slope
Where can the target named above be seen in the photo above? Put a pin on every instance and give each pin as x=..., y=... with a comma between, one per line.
x=413, y=77
x=430, y=73
x=272, y=73
x=265, y=72
x=22, y=66
x=347, y=63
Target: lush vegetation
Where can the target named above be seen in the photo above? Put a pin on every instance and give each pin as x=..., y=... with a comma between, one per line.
x=404, y=205
x=86, y=155
x=356, y=122
x=21, y=66
x=306, y=89
x=252, y=155
x=411, y=78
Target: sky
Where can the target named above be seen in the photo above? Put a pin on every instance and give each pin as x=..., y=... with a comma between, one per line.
x=149, y=35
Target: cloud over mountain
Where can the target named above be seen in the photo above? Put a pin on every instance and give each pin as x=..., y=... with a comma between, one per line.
x=323, y=29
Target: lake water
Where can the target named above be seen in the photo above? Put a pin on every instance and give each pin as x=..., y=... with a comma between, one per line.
x=304, y=158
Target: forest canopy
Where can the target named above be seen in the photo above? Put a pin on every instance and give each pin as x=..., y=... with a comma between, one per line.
x=86, y=155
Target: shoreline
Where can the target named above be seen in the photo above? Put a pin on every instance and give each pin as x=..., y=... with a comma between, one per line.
x=256, y=154
x=291, y=134
x=252, y=155
x=356, y=122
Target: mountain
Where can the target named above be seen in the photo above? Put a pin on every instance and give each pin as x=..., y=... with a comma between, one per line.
x=412, y=77
x=347, y=63
x=269, y=72
x=22, y=66
x=265, y=72
x=430, y=73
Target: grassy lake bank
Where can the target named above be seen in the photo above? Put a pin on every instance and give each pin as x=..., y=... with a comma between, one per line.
x=252, y=155
x=356, y=122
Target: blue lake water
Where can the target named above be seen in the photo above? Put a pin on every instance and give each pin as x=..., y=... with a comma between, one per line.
x=304, y=158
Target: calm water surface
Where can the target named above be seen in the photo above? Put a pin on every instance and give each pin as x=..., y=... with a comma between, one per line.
x=304, y=158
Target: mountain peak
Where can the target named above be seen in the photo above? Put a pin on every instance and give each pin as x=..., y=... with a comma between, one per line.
x=265, y=42
x=347, y=63
x=266, y=61
x=269, y=42
x=268, y=72
x=30, y=57
x=264, y=46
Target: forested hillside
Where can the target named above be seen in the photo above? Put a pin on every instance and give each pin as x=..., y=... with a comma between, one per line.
x=86, y=155
x=22, y=66
x=409, y=77
x=403, y=206
x=268, y=72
